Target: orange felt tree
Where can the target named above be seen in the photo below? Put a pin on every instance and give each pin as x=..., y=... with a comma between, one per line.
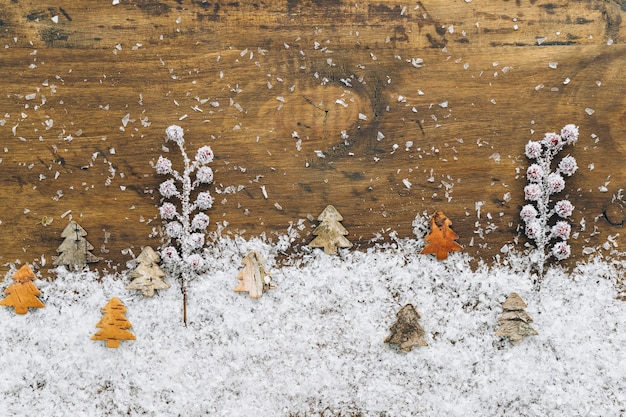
x=441, y=239
x=114, y=325
x=22, y=294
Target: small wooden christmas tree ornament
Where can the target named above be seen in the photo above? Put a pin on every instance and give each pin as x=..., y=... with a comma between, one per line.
x=113, y=325
x=407, y=332
x=441, y=239
x=75, y=249
x=22, y=294
x=330, y=233
x=514, y=321
x=148, y=275
x=254, y=277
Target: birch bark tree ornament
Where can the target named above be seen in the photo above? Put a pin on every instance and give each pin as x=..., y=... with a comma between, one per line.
x=330, y=233
x=407, y=332
x=254, y=277
x=514, y=321
x=441, y=239
x=148, y=275
x=75, y=249
x=114, y=325
x=22, y=294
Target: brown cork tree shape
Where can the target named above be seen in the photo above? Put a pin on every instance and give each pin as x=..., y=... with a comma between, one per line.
x=514, y=321
x=22, y=294
x=113, y=325
x=441, y=239
x=407, y=332
x=254, y=277
x=148, y=275
x=330, y=233
x=75, y=249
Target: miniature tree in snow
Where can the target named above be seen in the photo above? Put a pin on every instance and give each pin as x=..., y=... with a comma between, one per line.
x=407, y=332
x=22, y=294
x=330, y=233
x=75, y=249
x=543, y=184
x=186, y=231
x=113, y=325
x=514, y=321
x=254, y=277
x=441, y=239
x=148, y=275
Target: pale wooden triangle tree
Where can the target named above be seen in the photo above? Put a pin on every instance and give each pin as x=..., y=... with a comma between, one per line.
x=330, y=232
x=254, y=277
x=22, y=294
x=148, y=275
x=75, y=249
x=514, y=321
x=114, y=325
x=407, y=332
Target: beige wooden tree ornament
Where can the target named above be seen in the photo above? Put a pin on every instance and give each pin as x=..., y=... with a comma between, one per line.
x=148, y=275
x=330, y=233
x=254, y=277
x=22, y=294
x=514, y=321
x=113, y=325
x=75, y=249
x=407, y=332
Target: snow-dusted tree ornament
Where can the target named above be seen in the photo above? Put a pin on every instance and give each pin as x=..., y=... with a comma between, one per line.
x=330, y=232
x=22, y=294
x=185, y=224
x=254, y=277
x=75, y=251
x=550, y=237
x=407, y=332
x=114, y=325
x=148, y=275
x=514, y=321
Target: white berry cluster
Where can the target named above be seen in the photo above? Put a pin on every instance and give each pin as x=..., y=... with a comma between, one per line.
x=543, y=184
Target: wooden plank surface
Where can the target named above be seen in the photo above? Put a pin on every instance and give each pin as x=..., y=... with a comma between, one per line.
x=320, y=102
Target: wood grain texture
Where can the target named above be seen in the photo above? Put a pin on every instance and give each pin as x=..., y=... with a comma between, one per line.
x=321, y=102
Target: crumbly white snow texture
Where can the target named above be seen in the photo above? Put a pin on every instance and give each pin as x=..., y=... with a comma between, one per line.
x=314, y=345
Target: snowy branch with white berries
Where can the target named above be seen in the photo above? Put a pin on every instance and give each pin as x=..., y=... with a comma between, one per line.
x=550, y=239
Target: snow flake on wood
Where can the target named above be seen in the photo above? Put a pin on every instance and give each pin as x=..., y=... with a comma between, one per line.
x=75, y=249
x=254, y=277
x=113, y=325
x=330, y=233
x=514, y=321
x=148, y=275
x=407, y=332
x=22, y=294
x=441, y=239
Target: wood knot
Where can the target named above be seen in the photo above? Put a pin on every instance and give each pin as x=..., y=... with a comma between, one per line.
x=615, y=213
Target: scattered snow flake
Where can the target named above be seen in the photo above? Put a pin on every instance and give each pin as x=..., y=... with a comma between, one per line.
x=31, y=96
x=540, y=40
x=115, y=2
x=319, y=154
x=55, y=18
x=125, y=119
x=553, y=64
x=417, y=62
x=362, y=116
x=407, y=183
x=264, y=191
x=183, y=117
x=443, y=104
x=566, y=81
x=278, y=206
x=598, y=83
x=380, y=136
x=589, y=111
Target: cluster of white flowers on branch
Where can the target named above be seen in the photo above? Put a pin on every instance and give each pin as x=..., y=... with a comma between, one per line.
x=542, y=185
x=186, y=227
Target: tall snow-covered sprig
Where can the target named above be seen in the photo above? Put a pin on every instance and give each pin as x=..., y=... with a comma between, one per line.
x=550, y=238
x=182, y=256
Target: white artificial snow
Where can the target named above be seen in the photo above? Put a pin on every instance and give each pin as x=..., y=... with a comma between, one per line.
x=314, y=345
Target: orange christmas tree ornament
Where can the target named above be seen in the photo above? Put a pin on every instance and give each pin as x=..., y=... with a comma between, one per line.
x=22, y=294
x=114, y=325
x=441, y=239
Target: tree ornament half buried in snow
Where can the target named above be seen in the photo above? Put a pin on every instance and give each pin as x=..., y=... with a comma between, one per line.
x=407, y=332
x=254, y=277
x=113, y=325
x=514, y=321
x=22, y=294
x=75, y=249
x=441, y=239
x=148, y=275
x=330, y=233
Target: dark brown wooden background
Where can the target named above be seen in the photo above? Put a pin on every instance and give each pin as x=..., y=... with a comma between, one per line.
x=455, y=88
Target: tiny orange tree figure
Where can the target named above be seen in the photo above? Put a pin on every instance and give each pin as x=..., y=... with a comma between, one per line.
x=114, y=325
x=441, y=239
x=22, y=294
